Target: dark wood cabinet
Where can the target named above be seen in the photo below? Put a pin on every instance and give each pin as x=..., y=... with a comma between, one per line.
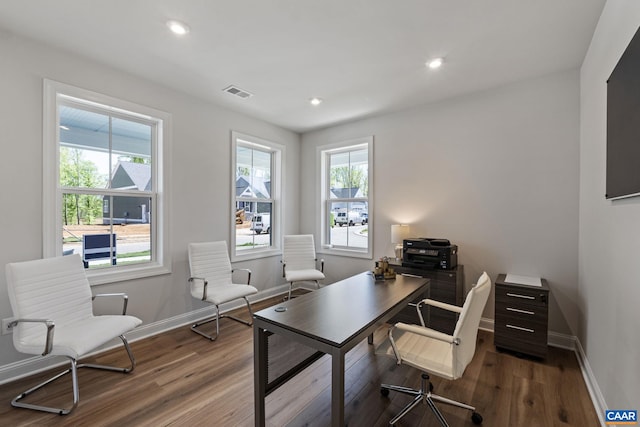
x=521, y=317
x=445, y=286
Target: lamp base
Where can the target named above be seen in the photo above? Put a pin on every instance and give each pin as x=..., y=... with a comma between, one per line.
x=398, y=250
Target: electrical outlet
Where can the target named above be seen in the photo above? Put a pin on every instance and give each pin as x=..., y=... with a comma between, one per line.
x=6, y=330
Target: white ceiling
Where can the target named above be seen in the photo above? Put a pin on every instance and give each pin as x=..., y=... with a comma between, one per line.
x=363, y=57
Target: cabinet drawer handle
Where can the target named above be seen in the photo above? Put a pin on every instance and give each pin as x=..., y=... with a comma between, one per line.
x=517, y=310
x=509, y=294
x=520, y=328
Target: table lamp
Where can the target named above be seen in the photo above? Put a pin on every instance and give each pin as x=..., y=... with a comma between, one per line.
x=399, y=232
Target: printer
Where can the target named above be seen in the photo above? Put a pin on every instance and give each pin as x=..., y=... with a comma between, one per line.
x=428, y=253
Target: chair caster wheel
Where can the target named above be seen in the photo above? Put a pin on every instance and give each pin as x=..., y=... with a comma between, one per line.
x=476, y=418
x=384, y=391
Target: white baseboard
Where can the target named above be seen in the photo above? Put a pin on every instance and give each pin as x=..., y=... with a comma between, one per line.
x=486, y=324
x=567, y=342
x=597, y=398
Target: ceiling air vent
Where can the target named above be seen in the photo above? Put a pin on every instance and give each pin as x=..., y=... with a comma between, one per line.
x=234, y=90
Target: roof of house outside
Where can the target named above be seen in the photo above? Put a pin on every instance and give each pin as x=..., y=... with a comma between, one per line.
x=346, y=193
x=260, y=188
x=138, y=173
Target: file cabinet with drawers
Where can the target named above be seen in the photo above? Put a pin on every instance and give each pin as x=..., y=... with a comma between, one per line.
x=521, y=317
x=444, y=286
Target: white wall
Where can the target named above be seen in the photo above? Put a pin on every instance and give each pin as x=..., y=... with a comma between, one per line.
x=609, y=263
x=505, y=174
x=494, y=172
x=200, y=182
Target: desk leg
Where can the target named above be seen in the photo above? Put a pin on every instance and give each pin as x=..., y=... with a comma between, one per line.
x=259, y=373
x=337, y=388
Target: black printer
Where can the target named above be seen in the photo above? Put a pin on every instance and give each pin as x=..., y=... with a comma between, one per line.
x=429, y=253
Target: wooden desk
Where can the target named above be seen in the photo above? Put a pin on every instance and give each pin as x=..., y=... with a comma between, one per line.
x=332, y=320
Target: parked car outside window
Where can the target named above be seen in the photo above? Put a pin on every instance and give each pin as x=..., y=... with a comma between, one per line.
x=261, y=223
x=350, y=218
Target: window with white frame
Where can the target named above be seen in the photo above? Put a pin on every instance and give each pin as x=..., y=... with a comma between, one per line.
x=346, y=197
x=256, y=193
x=105, y=197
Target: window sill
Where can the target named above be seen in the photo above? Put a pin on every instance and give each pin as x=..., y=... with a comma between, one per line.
x=345, y=252
x=112, y=275
x=256, y=255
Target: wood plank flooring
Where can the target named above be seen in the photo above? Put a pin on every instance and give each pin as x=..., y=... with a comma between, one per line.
x=182, y=379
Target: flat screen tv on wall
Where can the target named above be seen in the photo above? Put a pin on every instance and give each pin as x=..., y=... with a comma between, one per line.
x=623, y=124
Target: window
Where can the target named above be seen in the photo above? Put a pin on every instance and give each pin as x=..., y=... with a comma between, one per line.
x=256, y=196
x=105, y=197
x=346, y=197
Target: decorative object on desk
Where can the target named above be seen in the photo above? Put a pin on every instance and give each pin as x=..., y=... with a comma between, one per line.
x=383, y=271
x=399, y=232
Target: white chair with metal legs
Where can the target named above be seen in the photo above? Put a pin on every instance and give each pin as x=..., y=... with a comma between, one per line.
x=52, y=303
x=436, y=353
x=299, y=262
x=212, y=281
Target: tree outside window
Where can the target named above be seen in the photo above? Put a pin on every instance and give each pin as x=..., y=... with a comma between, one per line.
x=105, y=173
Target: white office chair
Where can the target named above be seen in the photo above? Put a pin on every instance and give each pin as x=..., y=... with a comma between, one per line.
x=299, y=260
x=52, y=302
x=212, y=281
x=434, y=352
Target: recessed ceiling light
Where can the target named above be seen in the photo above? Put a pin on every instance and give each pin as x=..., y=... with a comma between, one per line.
x=315, y=101
x=178, y=27
x=435, y=63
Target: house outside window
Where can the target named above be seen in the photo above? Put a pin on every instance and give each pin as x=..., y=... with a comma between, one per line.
x=105, y=197
x=256, y=217
x=346, y=197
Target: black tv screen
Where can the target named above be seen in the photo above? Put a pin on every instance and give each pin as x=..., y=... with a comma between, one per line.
x=623, y=124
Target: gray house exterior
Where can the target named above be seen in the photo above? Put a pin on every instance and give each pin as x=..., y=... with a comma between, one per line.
x=125, y=209
x=259, y=189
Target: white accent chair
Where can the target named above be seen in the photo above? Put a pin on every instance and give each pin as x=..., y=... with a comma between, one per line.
x=299, y=260
x=212, y=281
x=52, y=303
x=434, y=352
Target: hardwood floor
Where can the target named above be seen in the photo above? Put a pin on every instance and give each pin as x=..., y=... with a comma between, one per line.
x=182, y=379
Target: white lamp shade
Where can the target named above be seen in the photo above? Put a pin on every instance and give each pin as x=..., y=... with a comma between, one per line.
x=399, y=232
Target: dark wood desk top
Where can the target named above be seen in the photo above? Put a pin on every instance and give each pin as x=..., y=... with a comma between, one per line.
x=338, y=312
